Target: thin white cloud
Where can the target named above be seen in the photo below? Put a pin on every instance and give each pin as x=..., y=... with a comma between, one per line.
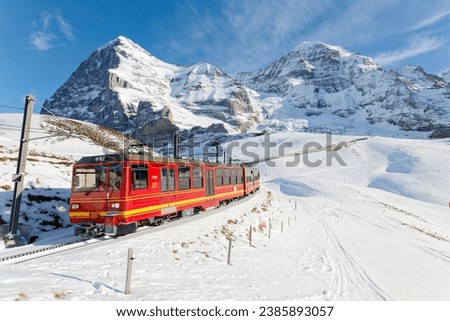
x=417, y=47
x=65, y=27
x=42, y=40
x=50, y=31
x=46, y=18
x=359, y=22
x=431, y=20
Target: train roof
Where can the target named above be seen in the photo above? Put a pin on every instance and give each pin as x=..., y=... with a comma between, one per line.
x=147, y=157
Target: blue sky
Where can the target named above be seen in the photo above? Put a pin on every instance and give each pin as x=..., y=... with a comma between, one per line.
x=43, y=42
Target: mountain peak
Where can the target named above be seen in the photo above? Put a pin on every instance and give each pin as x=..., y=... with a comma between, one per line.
x=123, y=42
x=308, y=47
x=124, y=87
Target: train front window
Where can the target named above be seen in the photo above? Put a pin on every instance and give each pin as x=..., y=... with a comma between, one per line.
x=95, y=178
x=88, y=179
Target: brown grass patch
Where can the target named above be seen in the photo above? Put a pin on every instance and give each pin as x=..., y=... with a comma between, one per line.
x=21, y=297
x=262, y=226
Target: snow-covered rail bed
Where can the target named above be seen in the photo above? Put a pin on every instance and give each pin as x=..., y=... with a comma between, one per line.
x=35, y=251
x=66, y=241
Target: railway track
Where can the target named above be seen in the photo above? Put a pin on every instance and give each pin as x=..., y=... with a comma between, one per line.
x=41, y=251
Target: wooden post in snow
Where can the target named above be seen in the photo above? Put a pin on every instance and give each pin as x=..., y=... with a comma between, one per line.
x=129, y=265
x=229, y=251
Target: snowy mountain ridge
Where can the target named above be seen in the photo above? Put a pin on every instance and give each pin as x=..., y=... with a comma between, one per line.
x=317, y=81
x=123, y=87
x=316, y=87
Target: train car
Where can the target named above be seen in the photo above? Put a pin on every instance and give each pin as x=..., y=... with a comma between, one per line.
x=114, y=194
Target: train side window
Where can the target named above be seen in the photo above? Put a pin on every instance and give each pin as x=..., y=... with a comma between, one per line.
x=226, y=177
x=239, y=176
x=184, y=178
x=233, y=177
x=219, y=177
x=198, y=177
x=163, y=179
x=139, y=176
x=167, y=179
x=171, y=180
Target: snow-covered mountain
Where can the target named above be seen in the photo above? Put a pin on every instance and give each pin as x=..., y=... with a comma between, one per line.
x=446, y=77
x=124, y=87
x=316, y=87
x=327, y=82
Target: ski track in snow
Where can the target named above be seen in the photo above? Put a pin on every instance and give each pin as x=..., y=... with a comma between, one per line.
x=350, y=281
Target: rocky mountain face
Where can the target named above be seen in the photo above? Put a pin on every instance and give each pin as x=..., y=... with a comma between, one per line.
x=341, y=91
x=123, y=87
x=446, y=77
x=315, y=87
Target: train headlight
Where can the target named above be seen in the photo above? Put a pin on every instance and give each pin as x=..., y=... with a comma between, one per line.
x=115, y=205
x=75, y=206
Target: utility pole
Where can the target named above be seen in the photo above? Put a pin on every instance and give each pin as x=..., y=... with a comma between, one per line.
x=176, y=145
x=11, y=238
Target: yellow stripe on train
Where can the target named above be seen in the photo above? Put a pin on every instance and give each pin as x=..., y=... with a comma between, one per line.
x=152, y=208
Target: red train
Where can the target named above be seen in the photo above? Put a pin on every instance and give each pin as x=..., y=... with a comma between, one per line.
x=114, y=194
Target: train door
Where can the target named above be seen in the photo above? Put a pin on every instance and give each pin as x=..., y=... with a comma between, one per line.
x=114, y=180
x=171, y=186
x=114, y=183
x=101, y=174
x=209, y=182
x=168, y=188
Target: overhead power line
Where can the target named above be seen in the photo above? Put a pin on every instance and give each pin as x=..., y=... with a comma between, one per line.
x=15, y=127
x=11, y=107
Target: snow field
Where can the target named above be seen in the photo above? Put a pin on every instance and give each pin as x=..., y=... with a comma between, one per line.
x=375, y=229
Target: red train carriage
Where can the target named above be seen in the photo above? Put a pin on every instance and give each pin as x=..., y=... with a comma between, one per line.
x=113, y=195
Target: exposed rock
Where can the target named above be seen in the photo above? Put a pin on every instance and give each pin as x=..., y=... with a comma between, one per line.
x=441, y=132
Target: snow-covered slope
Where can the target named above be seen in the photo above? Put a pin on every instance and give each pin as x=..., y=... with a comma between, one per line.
x=375, y=229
